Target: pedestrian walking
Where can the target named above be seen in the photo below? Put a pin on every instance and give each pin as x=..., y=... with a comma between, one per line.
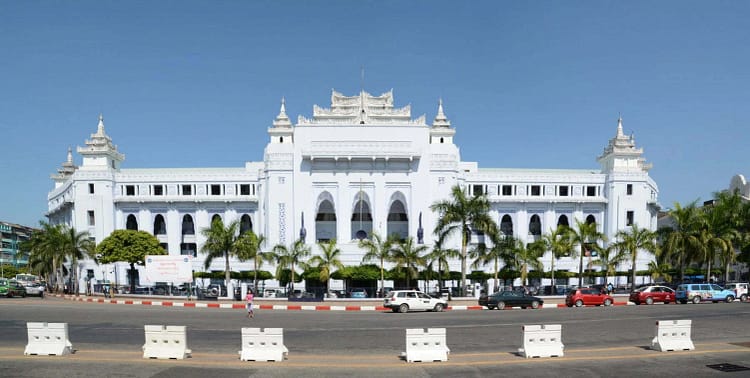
x=610, y=288
x=249, y=299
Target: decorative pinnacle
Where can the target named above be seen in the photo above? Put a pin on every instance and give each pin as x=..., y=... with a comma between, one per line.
x=619, y=126
x=100, y=127
x=70, y=155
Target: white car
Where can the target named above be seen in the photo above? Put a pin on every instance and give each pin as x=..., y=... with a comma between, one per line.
x=740, y=289
x=405, y=300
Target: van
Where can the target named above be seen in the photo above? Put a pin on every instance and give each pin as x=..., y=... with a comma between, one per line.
x=698, y=293
x=739, y=288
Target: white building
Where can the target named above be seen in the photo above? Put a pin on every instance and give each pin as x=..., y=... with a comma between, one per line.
x=360, y=165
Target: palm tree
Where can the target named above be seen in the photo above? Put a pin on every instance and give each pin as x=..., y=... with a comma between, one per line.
x=660, y=267
x=328, y=260
x=291, y=257
x=524, y=257
x=441, y=255
x=461, y=214
x=634, y=240
x=408, y=255
x=727, y=218
x=248, y=246
x=46, y=252
x=378, y=249
x=608, y=259
x=679, y=240
x=559, y=243
x=585, y=235
x=220, y=242
x=76, y=245
x=501, y=246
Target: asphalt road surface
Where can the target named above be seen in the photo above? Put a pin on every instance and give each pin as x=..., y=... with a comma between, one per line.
x=599, y=341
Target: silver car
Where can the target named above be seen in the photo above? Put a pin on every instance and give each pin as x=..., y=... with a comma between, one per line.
x=34, y=289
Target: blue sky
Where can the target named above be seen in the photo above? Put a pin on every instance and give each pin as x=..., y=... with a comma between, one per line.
x=526, y=84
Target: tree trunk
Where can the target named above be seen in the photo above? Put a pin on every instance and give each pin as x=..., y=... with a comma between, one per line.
x=632, y=274
x=227, y=275
x=463, y=263
x=132, y=277
x=553, y=290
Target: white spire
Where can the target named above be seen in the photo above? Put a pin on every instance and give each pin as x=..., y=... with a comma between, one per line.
x=619, y=126
x=70, y=155
x=100, y=126
x=440, y=119
x=282, y=120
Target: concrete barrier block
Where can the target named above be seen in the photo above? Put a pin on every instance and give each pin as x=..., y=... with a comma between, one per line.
x=542, y=341
x=426, y=345
x=48, y=339
x=672, y=335
x=263, y=344
x=166, y=342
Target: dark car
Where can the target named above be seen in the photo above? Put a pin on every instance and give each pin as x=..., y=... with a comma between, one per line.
x=514, y=298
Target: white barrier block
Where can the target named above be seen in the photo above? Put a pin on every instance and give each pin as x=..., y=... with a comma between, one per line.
x=542, y=341
x=672, y=335
x=165, y=342
x=48, y=339
x=426, y=345
x=263, y=344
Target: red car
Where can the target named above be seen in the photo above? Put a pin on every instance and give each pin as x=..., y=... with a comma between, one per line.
x=588, y=297
x=651, y=294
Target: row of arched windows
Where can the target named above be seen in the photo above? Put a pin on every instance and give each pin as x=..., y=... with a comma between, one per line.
x=188, y=226
x=535, y=224
x=397, y=221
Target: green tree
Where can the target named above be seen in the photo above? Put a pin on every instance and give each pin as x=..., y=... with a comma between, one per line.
x=328, y=260
x=291, y=257
x=441, y=256
x=45, y=252
x=559, y=243
x=679, y=240
x=220, y=242
x=630, y=242
x=461, y=214
x=377, y=248
x=76, y=246
x=608, y=259
x=494, y=253
x=249, y=247
x=586, y=236
x=524, y=257
x=129, y=246
x=408, y=256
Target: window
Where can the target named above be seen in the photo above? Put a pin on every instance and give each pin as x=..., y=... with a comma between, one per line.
x=244, y=189
x=215, y=189
x=563, y=191
x=507, y=190
x=536, y=190
x=629, y=190
x=591, y=191
x=91, y=188
x=477, y=190
x=630, y=215
x=187, y=190
x=158, y=190
x=129, y=190
x=92, y=219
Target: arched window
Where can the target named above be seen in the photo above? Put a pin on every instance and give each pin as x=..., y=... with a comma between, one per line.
x=215, y=217
x=506, y=225
x=246, y=224
x=160, y=227
x=188, y=227
x=131, y=223
x=535, y=225
x=398, y=221
x=590, y=219
x=563, y=221
x=325, y=220
x=361, y=225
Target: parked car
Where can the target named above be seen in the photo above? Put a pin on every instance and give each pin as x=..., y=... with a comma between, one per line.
x=407, y=300
x=11, y=288
x=740, y=289
x=698, y=293
x=651, y=294
x=505, y=299
x=36, y=289
x=358, y=292
x=588, y=296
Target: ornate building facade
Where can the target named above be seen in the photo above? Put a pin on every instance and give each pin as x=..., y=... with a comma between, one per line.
x=358, y=167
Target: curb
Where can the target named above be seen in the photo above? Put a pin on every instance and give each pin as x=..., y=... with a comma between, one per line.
x=286, y=307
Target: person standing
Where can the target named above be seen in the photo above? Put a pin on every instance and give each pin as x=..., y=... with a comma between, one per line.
x=249, y=299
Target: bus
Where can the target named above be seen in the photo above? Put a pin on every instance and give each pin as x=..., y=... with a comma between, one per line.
x=26, y=279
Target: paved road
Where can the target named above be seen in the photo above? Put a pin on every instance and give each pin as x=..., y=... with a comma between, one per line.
x=598, y=341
